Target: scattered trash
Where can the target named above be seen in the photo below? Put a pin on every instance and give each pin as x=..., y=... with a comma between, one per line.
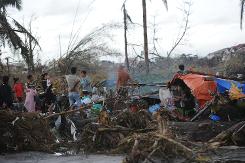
x=86, y=100
x=58, y=122
x=95, y=110
x=16, y=119
x=215, y=117
x=73, y=130
x=154, y=108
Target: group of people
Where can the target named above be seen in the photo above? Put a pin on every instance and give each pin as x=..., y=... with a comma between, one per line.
x=6, y=92
x=27, y=94
x=18, y=93
x=75, y=83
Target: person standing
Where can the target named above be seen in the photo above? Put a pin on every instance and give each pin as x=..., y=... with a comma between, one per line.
x=31, y=95
x=85, y=83
x=18, y=90
x=49, y=96
x=182, y=70
x=73, y=82
x=123, y=79
x=6, y=95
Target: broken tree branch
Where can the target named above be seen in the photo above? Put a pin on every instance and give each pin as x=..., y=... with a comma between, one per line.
x=186, y=27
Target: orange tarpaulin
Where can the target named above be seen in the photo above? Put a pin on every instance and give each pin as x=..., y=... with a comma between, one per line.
x=200, y=87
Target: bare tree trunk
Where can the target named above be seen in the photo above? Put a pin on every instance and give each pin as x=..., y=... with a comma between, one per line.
x=30, y=55
x=7, y=59
x=125, y=37
x=145, y=37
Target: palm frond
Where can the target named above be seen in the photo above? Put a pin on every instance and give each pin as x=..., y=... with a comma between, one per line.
x=125, y=10
x=129, y=18
x=9, y=34
x=241, y=13
x=123, y=6
x=23, y=30
x=165, y=3
x=13, y=3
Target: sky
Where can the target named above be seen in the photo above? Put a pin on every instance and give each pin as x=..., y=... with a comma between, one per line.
x=213, y=24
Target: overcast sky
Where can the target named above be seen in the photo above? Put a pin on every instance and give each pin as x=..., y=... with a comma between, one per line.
x=214, y=24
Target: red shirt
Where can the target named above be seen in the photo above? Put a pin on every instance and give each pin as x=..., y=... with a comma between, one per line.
x=123, y=78
x=18, y=89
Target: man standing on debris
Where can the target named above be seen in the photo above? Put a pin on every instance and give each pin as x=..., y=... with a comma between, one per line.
x=6, y=96
x=123, y=78
x=85, y=83
x=73, y=82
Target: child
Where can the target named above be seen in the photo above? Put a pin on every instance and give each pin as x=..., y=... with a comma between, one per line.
x=18, y=90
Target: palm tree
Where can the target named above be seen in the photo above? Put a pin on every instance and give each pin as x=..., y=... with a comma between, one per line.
x=8, y=31
x=242, y=11
x=145, y=33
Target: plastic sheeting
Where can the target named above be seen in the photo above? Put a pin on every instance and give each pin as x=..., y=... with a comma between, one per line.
x=201, y=87
x=235, y=89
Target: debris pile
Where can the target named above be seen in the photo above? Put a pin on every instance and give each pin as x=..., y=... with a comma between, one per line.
x=142, y=129
x=24, y=132
x=141, y=136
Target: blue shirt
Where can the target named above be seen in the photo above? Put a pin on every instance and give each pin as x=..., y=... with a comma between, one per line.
x=86, y=84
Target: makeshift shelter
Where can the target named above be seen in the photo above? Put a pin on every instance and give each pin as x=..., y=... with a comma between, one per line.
x=202, y=87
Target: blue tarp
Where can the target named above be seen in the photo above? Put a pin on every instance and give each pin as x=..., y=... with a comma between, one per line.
x=154, y=108
x=225, y=85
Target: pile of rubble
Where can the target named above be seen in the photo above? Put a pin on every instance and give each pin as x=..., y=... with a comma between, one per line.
x=140, y=135
x=24, y=132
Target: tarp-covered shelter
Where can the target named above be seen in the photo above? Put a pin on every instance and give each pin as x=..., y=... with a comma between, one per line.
x=202, y=87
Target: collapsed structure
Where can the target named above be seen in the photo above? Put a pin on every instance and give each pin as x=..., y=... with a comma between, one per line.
x=201, y=92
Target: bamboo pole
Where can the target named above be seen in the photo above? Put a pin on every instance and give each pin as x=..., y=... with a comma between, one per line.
x=69, y=111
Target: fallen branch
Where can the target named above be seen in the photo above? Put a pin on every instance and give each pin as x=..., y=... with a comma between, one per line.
x=202, y=111
x=68, y=112
x=155, y=148
x=73, y=111
x=185, y=151
x=120, y=129
x=226, y=135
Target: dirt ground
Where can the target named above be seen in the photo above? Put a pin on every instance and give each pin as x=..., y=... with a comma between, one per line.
x=37, y=157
